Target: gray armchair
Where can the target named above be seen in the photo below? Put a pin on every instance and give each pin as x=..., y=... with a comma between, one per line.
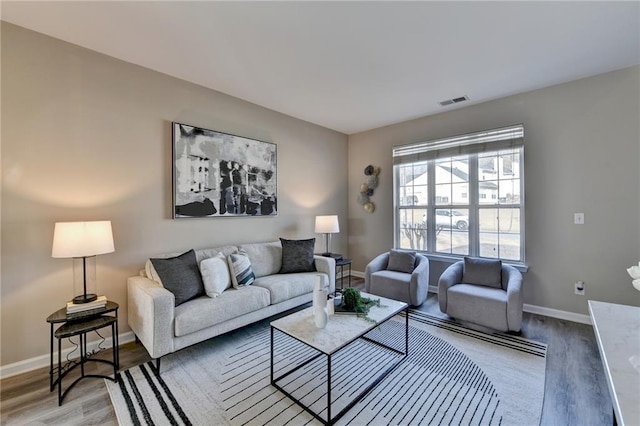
x=398, y=275
x=484, y=292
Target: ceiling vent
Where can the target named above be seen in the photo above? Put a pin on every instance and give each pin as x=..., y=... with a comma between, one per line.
x=454, y=100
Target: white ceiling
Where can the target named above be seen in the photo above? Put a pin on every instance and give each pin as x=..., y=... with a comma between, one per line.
x=352, y=66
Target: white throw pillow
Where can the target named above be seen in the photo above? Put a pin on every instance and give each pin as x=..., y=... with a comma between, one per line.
x=215, y=275
x=151, y=273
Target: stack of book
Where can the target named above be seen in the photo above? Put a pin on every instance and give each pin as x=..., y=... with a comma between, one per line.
x=74, y=308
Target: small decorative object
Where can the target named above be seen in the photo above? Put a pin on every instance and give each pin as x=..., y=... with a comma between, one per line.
x=367, y=188
x=219, y=175
x=320, y=315
x=354, y=303
x=327, y=225
x=372, y=182
x=634, y=273
x=82, y=241
x=330, y=305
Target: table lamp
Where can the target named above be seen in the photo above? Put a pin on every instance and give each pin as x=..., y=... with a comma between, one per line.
x=82, y=240
x=327, y=225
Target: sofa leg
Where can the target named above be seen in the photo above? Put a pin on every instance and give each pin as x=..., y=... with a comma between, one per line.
x=156, y=368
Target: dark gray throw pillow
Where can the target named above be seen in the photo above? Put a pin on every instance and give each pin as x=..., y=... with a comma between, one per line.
x=401, y=261
x=181, y=276
x=486, y=272
x=297, y=256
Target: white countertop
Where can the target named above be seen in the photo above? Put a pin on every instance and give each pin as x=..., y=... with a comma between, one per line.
x=341, y=329
x=617, y=330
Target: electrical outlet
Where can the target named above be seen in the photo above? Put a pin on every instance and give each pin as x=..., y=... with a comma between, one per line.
x=579, y=288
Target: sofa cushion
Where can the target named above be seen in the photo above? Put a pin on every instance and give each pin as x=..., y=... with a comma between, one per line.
x=486, y=272
x=150, y=272
x=297, y=256
x=213, y=252
x=285, y=287
x=181, y=276
x=240, y=269
x=205, y=312
x=401, y=261
x=266, y=258
x=391, y=284
x=478, y=304
x=215, y=275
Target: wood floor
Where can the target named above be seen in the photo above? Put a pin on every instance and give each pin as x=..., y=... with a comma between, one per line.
x=575, y=389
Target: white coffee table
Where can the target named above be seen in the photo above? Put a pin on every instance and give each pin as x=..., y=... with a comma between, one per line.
x=341, y=330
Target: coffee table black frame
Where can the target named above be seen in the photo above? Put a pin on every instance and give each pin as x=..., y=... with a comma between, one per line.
x=361, y=395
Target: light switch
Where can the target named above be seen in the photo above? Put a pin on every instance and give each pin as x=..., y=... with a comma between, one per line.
x=578, y=218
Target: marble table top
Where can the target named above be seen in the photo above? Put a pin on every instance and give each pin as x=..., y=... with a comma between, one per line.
x=341, y=329
x=617, y=330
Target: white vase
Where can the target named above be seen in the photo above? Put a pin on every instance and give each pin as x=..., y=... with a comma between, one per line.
x=320, y=317
x=319, y=299
x=319, y=293
x=320, y=302
x=331, y=307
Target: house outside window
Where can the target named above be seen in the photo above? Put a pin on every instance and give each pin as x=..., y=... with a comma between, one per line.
x=467, y=195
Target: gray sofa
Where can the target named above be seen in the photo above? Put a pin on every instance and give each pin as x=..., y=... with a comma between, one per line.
x=164, y=328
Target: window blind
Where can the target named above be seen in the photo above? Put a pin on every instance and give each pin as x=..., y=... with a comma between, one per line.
x=472, y=143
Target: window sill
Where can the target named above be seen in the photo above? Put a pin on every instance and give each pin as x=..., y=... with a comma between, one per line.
x=453, y=259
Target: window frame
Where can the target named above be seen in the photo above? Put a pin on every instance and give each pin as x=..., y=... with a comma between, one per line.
x=472, y=203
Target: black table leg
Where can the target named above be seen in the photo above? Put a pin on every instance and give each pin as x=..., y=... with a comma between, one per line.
x=116, y=348
x=271, y=355
x=406, y=331
x=59, y=372
x=114, y=340
x=51, y=361
x=329, y=389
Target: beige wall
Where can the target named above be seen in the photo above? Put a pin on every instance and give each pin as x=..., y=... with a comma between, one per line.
x=582, y=152
x=88, y=137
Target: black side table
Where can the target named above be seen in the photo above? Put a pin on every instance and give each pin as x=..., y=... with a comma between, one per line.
x=79, y=324
x=341, y=264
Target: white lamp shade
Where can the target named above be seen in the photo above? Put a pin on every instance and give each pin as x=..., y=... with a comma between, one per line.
x=82, y=239
x=327, y=224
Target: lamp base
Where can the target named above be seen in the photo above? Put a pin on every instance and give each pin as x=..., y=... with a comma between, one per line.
x=85, y=298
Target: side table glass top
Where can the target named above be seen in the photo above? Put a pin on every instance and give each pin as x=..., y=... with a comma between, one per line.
x=61, y=314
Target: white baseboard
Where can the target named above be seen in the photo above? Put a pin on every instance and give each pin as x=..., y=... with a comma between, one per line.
x=43, y=360
x=532, y=309
x=556, y=313
x=358, y=274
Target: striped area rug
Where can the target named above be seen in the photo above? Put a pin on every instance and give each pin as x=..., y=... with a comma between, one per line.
x=453, y=375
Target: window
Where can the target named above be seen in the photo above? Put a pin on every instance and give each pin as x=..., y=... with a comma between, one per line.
x=467, y=195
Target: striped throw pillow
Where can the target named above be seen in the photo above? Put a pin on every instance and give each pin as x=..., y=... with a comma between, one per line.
x=240, y=268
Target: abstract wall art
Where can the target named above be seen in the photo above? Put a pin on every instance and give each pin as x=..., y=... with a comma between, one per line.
x=217, y=174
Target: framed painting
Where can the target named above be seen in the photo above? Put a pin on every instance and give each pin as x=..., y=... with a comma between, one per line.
x=217, y=174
